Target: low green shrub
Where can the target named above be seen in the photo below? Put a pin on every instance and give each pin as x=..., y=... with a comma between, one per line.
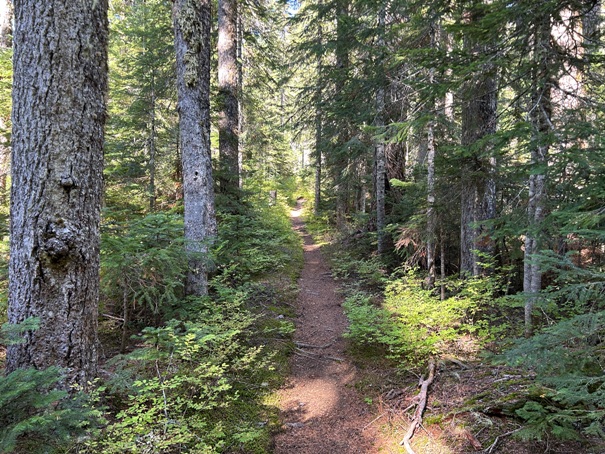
x=414, y=324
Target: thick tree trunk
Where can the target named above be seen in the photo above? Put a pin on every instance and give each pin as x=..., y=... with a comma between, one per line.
x=59, y=92
x=478, y=195
x=228, y=82
x=192, y=44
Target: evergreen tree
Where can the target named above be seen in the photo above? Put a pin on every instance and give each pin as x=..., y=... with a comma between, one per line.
x=60, y=84
x=192, y=43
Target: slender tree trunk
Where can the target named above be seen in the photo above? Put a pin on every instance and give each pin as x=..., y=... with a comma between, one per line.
x=6, y=42
x=318, y=135
x=430, y=214
x=6, y=24
x=379, y=146
x=192, y=44
x=540, y=118
x=228, y=82
x=240, y=109
x=342, y=63
x=152, y=147
x=59, y=91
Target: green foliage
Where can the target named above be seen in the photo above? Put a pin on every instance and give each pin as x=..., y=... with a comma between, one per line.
x=567, y=358
x=37, y=417
x=255, y=244
x=413, y=323
x=143, y=266
x=194, y=387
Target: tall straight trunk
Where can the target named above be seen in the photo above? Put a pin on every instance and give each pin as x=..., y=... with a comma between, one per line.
x=431, y=224
x=152, y=147
x=59, y=92
x=540, y=119
x=240, y=109
x=342, y=161
x=192, y=44
x=379, y=146
x=6, y=42
x=478, y=194
x=318, y=123
x=6, y=24
x=228, y=82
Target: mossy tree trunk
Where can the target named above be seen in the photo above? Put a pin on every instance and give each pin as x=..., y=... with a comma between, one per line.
x=59, y=109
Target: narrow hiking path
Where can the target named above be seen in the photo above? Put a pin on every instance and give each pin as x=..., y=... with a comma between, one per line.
x=321, y=412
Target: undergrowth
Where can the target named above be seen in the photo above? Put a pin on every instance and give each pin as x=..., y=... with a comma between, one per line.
x=197, y=372
x=394, y=315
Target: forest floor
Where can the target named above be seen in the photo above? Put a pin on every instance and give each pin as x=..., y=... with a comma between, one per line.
x=337, y=402
x=321, y=410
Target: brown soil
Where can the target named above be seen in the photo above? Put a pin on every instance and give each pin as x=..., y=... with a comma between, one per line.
x=321, y=411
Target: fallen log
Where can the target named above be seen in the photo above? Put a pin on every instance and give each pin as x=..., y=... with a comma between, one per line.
x=422, y=398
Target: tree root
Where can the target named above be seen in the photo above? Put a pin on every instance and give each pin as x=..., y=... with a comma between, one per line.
x=422, y=398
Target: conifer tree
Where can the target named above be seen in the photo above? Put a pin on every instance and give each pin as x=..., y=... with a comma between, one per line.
x=191, y=20
x=60, y=84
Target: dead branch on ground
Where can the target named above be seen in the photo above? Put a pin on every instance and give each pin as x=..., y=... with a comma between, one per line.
x=422, y=398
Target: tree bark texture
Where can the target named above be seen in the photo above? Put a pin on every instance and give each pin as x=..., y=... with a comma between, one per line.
x=6, y=23
x=540, y=113
x=59, y=110
x=228, y=85
x=192, y=44
x=380, y=156
x=478, y=194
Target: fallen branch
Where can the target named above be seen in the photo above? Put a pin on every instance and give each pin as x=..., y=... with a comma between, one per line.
x=495, y=443
x=303, y=345
x=306, y=354
x=422, y=398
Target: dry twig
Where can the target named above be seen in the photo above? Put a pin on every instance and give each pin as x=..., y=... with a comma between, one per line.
x=422, y=398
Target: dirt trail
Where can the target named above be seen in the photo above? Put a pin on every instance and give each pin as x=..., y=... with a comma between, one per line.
x=321, y=411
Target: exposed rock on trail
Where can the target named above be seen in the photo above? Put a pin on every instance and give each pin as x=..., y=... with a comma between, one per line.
x=321, y=411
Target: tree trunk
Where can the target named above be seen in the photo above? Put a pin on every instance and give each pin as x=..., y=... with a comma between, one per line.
x=152, y=147
x=318, y=123
x=59, y=92
x=228, y=79
x=192, y=44
x=6, y=42
x=540, y=118
x=478, y=195
x=6, y=24
x=379, y=148
x=342, y=159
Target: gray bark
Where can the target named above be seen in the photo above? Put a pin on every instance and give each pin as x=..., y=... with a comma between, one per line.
x=192, y=44
x=540, y=117
x=228, y=82
x=6, y=23
x=6, y=42
x=60, y=85
x=380, y=151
